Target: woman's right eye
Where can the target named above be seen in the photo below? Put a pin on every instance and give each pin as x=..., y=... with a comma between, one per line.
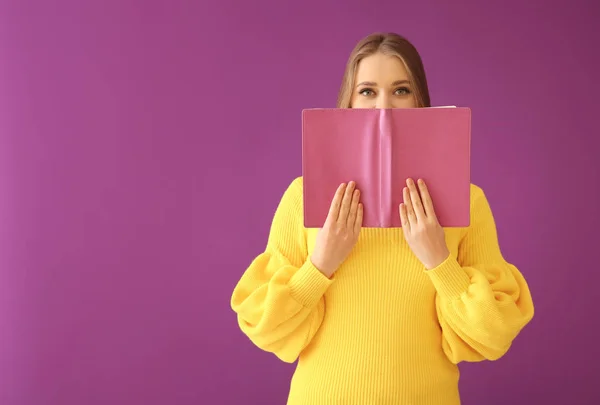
x=366, y=92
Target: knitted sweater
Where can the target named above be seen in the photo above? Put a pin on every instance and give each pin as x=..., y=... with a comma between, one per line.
x=383, y=329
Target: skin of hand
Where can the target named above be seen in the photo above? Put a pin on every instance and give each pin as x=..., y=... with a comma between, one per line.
x=340, y=232
x=420, y=225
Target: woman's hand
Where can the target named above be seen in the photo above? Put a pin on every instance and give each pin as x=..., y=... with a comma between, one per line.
x=340, y=231
x=421, y=228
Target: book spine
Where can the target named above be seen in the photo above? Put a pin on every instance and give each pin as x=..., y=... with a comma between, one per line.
x=385, y=169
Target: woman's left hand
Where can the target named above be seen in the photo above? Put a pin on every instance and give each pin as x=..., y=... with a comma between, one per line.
x=422, y=230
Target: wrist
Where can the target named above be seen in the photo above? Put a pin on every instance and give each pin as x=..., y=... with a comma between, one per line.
x=437, y=260
x=322, y=267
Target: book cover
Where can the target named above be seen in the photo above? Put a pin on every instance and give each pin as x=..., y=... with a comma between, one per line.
x=379, y=149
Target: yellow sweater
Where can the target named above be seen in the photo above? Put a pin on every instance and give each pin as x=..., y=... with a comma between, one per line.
x=383, y=330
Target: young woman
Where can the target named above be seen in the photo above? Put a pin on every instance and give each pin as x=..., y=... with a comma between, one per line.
x=381, y=316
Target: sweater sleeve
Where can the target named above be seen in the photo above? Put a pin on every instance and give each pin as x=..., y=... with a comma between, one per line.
x=482, y=301
x=279, y=299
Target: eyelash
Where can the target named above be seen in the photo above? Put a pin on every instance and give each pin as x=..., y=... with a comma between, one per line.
x=406, y=89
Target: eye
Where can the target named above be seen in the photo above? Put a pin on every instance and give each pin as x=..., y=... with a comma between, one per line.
x=366, y=92
x=402, y=91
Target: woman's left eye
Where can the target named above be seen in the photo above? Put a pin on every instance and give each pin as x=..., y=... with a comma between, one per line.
x=403, y=90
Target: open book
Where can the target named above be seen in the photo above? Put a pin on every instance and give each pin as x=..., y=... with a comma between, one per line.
x=379, y=149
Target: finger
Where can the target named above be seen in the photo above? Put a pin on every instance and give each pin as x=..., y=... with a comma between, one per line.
x=404, y=217
x=346, y=202
x=416, y=200
x=353, y=209
x=359, y=219
x=334, y=208
x=410, y=213
x=426, y=198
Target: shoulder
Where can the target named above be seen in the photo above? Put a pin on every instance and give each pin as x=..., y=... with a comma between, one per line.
x=480, y=206
x=477, y=193
x=295, y=188
x=297, y=183
x=292, y=196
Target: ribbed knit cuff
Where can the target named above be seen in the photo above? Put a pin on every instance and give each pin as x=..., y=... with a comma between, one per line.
x=308, y=284
x=449, y=278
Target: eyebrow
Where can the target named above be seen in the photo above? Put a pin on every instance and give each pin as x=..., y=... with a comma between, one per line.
x=396, y=83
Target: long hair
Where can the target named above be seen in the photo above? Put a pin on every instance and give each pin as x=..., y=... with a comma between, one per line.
x=390, y=44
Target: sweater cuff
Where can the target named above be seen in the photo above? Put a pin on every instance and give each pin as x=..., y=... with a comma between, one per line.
x=308, y=284
x=449, y=278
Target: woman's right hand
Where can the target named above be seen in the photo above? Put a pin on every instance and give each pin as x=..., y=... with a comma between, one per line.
x=341, y=230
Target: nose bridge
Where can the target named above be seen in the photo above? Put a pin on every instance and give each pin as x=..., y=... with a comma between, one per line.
x=383, y=100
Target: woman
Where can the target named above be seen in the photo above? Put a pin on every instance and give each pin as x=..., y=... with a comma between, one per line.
x=381, y=316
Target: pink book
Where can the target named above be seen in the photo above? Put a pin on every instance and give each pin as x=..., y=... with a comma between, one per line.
x=379, y=149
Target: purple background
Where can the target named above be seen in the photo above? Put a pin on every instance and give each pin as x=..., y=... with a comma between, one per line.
x=145, y=144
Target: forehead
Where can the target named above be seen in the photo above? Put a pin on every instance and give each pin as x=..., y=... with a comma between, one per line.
x=381, y=68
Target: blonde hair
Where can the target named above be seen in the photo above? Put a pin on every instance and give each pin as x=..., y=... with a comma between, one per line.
x=389, y=44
